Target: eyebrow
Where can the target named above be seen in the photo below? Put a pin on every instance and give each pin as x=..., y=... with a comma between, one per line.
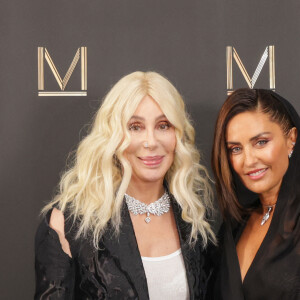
x=143, y=119
x=252, y=139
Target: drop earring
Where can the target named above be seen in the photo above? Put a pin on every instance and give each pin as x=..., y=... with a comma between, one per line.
x=291, y=153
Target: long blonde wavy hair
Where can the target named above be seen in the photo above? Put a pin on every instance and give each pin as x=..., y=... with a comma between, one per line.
x=92, y=189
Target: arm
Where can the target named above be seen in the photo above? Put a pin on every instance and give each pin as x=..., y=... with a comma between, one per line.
x=54, y=266
x=57, y=222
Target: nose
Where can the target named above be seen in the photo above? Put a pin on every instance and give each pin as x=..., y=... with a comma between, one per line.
x=250, y=158
x=151, y=139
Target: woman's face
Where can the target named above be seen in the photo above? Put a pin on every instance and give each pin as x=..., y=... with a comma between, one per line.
x=258, y=151
x=150, y=162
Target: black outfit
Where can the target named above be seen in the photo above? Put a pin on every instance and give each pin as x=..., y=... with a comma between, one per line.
x=275, y=271
x=113, y=272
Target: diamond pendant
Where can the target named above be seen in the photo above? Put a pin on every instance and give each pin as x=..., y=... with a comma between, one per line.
x=148, y=219
x=266, y=216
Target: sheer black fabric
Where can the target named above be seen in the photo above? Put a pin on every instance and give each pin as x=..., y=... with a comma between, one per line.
x=113, y=272
x=275, y=271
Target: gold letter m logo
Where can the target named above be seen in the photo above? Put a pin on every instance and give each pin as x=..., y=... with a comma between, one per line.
x=44, y=54
x=231, y=52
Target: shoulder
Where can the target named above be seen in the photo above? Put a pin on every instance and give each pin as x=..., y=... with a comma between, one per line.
x=57, y=221
x=52, y=231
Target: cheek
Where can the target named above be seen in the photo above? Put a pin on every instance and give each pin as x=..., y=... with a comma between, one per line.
x=236, y=163
x=169, y=142
x=135, y=144
x=277, y=157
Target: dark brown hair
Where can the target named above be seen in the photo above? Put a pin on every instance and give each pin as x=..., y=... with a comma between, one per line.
x=239, y=101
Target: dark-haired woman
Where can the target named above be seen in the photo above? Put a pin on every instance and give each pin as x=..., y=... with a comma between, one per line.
x=256, y=162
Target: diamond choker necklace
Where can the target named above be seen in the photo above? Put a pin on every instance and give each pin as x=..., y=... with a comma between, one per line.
x=157, y=208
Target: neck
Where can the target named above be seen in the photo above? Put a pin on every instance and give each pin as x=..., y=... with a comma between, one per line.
x=269, y=199
x=146, y=192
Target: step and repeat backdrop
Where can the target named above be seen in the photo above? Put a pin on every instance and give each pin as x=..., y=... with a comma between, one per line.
x=59, y=58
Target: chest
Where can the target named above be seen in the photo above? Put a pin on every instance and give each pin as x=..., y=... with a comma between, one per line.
x=250, y=241
x=159, y=237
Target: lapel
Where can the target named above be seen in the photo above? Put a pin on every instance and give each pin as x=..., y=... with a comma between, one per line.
x=231, y=281
x=125, y=250
x=189, y=254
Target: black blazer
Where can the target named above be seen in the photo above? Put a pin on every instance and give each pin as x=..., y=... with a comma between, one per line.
x=113, y=272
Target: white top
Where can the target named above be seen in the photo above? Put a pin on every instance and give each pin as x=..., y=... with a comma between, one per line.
x=166, y=277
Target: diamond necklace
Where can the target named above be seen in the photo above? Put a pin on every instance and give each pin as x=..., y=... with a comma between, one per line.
x=157, y=208
x=267, y=214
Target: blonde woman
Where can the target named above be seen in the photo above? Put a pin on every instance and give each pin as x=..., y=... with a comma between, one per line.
x=129, y=221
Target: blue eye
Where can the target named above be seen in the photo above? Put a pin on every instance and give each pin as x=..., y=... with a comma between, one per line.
x=234, y=150
x=262, y=142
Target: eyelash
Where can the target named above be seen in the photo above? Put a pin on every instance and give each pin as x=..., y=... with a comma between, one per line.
x=133, y=126
x=262, y=142
x=232, y=150
x=137, y=126
x=235, y=150
x=165, y=124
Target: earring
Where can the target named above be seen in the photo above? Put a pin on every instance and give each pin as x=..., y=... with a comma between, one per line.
x=145, y=144
x=290, y=155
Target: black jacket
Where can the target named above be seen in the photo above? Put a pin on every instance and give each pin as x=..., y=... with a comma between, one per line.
x=113, y=272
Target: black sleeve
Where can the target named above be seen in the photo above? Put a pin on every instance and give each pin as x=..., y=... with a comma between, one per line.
x=54, y=269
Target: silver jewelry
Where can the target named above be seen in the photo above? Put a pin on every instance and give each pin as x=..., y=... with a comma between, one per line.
x=146, y=145
x=290, y=155
x=157, y=208
x=267, y=214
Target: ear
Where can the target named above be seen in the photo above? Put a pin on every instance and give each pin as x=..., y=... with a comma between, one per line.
x=292, y=138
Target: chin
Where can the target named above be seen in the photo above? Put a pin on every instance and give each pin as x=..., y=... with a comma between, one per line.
x=153, y=178
x=149, y=175
x=258, y=188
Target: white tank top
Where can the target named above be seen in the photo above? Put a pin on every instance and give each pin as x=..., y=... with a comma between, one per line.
x=166, y=277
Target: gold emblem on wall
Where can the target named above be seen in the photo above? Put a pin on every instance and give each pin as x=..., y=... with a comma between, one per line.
x=231, y=52
x=43, y=54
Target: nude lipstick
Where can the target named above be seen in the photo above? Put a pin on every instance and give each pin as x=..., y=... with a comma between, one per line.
x=152, y=160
